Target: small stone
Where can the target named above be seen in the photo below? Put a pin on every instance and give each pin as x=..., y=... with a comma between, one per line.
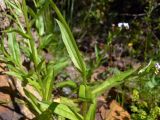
x=66, y=90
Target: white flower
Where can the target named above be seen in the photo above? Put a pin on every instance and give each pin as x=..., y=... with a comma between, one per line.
x=157, y=65
x=123, y=24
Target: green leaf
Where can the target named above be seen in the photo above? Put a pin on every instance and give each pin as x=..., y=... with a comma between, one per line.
x=35, y=84
x=45, y=41
x=70, y=103
x=92, y=111
x=40, y=3
x=60, y=65
x=33, y=101
x=3, y=49
x=44, y=105
x=14, y=5
x=97, y=53
x=147, y=68
x=72, y=48
x=31, y=12
x=19, y=32
x=64, y=111
x=40, y=25
x=111, y=82
x=14, y=49
x=40, y=12
x=15, y=74
x=15, y=71
x=34, y=54
x=48, y=82
x=69, y=41
x=85, y=93
x=40, y=66
x=61, y=118
x=46, y=115
x=25, y=48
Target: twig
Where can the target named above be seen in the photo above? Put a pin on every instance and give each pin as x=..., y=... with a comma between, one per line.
x=133, y=15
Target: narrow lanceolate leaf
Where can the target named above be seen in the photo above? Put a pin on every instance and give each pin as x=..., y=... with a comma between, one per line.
x=92, y=111
x=14, y=48
x=48, y=82
x=32, y=100
x=11, y=73
x=70, y=103
x=111, y=82
x=64, y=111
x=69, y=40
x=72, y=48
x=19, y=32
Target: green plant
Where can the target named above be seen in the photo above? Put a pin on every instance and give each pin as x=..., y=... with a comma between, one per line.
x=141, y=109
x=101, y=54
x=41, y=73
x=144, y=90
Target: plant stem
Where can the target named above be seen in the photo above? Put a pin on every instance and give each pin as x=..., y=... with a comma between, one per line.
x=31, y=40
x=84, y=79
x=84, y=109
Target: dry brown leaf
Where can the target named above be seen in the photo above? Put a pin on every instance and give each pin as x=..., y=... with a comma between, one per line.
x=116, y=112
x=96, y=72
